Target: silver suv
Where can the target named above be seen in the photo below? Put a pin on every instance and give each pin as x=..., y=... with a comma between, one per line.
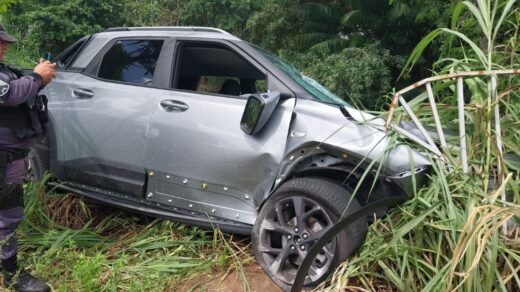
x=195, y=125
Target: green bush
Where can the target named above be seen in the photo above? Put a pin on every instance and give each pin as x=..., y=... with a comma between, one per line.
x=230, y=15
x=51, y=25
x=362, y=76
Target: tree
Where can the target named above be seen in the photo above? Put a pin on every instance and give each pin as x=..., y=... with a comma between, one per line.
x=362, y=76
x=230, y=15
x=5, y=4
x=53, y=24
x=153, y=12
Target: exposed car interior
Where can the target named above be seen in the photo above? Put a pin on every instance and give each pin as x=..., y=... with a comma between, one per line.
x=230, y=87
x=215, y=68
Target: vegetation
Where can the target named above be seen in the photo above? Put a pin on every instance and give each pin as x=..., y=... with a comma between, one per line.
x=445, y=238
x=76, y=246
x=448, y=237
x=310, y=33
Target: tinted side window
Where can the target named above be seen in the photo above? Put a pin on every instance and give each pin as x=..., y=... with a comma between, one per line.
x=131, y=61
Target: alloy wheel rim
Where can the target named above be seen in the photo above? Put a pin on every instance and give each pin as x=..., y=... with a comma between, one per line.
x=288, y=232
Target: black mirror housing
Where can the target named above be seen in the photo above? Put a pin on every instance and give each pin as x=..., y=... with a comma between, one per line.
x=259, y=108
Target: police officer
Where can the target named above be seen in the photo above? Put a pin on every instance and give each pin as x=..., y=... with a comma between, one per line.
x=22, y=122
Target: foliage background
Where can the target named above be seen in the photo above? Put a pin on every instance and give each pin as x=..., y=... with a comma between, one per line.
x=363, y=42
x=355, y=47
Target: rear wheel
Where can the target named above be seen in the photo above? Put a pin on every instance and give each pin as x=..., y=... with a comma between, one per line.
x=293, y=219
x=38, y=161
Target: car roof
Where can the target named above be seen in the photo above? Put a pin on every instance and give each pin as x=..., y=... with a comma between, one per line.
x=170, y=31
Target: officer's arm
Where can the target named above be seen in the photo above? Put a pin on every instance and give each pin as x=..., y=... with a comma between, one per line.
x=15, y=92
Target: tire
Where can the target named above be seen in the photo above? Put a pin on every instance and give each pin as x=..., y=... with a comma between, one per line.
x=280, y=248
x=38, y=161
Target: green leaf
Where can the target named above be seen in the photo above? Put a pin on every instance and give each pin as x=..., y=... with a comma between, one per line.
x=418, y=50
x=476, y=49
x=437, y=283
x=484, y=6
x=399, y=233
x=459, y=8
x=483, y=22
x=505, y=12
x=394, y=278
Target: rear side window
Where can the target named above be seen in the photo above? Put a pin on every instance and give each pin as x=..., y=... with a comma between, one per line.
x=131, y=61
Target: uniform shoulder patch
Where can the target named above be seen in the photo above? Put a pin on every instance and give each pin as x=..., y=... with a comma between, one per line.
x=4, y=88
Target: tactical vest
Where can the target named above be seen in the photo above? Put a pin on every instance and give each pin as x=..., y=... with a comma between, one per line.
x=28, y=120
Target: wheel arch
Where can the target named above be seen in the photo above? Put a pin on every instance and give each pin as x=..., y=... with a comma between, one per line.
x=320, y=160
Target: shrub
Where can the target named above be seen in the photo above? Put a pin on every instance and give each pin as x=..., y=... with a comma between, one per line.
x=361, y=76
x=52, y=24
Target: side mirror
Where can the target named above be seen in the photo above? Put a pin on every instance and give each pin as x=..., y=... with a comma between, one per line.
x=259, y=108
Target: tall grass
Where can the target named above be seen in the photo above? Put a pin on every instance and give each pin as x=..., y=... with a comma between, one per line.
x=78, y=246
x=447, y=237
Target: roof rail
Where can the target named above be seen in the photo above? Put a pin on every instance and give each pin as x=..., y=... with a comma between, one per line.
x=169, y=28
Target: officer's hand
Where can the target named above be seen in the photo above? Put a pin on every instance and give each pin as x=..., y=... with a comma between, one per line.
x=46, y=70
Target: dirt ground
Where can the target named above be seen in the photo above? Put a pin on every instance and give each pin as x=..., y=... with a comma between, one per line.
x=232, y=282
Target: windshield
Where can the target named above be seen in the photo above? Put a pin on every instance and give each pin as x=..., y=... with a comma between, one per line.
x=312, y=86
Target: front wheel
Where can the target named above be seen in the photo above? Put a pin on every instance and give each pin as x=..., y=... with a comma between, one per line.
x=293, y=219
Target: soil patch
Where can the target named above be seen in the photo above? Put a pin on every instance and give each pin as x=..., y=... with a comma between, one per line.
x=232, y=281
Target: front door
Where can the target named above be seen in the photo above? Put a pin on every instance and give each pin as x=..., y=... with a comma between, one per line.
x=202, y=159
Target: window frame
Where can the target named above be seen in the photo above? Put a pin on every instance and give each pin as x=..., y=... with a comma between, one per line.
x=72, y=51
x=228, y=45
x=92, y=69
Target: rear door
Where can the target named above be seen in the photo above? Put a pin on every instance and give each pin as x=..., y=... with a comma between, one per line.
x=203, y=161
x=106, y=116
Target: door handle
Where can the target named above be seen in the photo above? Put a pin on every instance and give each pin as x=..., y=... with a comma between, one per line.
x=83, y=93
x=171, y=105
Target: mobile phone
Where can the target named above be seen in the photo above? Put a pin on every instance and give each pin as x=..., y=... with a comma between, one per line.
x=47, y=56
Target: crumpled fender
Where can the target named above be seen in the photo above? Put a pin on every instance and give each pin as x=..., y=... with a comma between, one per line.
x=358, y=133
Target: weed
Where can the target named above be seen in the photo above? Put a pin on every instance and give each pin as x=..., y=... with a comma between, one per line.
x=448, y=236
x=74, y=245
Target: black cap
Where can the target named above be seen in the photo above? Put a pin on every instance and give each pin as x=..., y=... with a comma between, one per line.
x=5, y=36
